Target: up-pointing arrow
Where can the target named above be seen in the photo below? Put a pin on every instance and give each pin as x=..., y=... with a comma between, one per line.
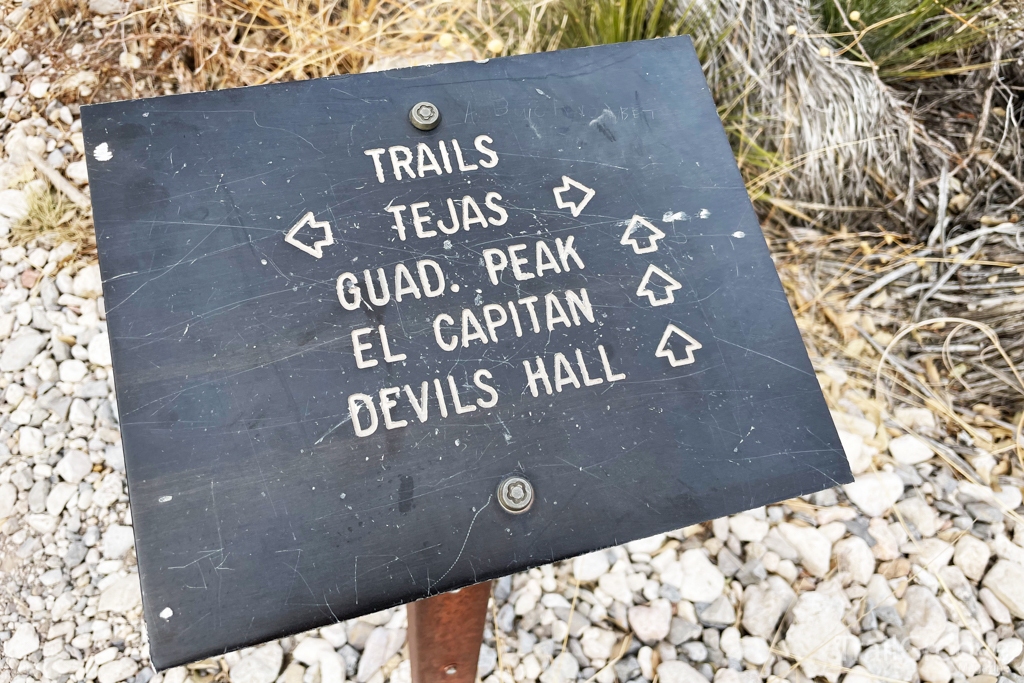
x=655, y=282
x=664, y=351
x=641, y=230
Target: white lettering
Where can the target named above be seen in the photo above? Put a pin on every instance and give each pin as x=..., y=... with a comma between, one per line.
x=540, y=373
x=459, y=408
x=611, y=376
x=418, y=221
x=490, y=310
x=564, y=374
x=386, y=404
x=404, y=164
x=407, y=287
x=358, y=347
x=495, y=261
x=399, y=225
x=446, y=319
x=355, y=401
x=423, y=152
x=480, y=384
x=490, y=201
x=388, y=357
x=492, y=157
x=377, y=166
x=348, y=291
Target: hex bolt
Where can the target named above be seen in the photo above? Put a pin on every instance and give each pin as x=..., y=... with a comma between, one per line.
x=425, y=116
x=515, y=494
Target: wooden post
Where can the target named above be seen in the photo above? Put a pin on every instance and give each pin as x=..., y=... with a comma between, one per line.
x=445, y=632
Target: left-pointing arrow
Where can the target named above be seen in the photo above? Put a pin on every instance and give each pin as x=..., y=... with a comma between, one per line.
x=317, y=248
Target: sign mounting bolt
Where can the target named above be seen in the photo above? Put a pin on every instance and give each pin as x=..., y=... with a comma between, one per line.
x=515, y=494
x=425, y=116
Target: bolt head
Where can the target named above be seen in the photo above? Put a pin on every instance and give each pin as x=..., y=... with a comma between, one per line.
x=425, y=116
x=515, y=494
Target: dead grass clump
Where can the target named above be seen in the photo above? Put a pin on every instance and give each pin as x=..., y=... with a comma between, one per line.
x=53, y=219
x=166, y=47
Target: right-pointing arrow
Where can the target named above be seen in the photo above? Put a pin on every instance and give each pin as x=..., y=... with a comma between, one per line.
x=664, y=351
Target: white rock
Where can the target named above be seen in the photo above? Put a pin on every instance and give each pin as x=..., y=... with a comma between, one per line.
x=1008, y=650
x=320, y=652
x=925, y=618
x=651, y=622
x=701, y=581
x=646, y=546
x=764, y=605
x=13, y=204
x=616, y=585
x=874, y=493
x=88, y=283
x=918, y=512
x=77, y=173
x=73, y=370
x=39, y=87
x=818, y=637
x=679, y=672
x=8, y=498
x=931, y=553
x=755, y=650
x=117, y=541
x=73, y=466
x=889, y=660
x=598, y=643
x=1006, y=581
x=122, y=596
x=30, y=441
x=335, y=634
x=563, y=669
x=910, y=450
x=590, y=567
x=381, y=646
x=80, y=413
x=24, y=642
x=814, y=548
x=995, y=607
x=117, y=670
x=915, y=418
x=853, y=555
x=260, y=666
x=99, y=350
x=857, y=454
x=59, y=496
x=106, y=7
x=933, y=669
x=748, y=528
x=20, y=350
x=851, y=423
x=44, y=524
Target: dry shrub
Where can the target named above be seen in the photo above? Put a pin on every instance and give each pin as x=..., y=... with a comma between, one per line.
x=178, y=46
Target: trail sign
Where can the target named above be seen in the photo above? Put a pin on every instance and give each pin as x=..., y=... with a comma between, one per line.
x=335, y=334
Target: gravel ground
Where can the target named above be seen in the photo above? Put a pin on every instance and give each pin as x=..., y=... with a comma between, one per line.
x=911, y=573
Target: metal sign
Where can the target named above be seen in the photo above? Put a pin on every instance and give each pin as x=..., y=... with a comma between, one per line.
x=377, y=337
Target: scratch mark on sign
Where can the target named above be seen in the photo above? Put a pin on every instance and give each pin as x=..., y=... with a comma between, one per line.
x=330, y=431
x=464, y=542
x=764, y=355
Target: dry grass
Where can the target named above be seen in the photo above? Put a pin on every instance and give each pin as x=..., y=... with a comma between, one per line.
x=52, y=219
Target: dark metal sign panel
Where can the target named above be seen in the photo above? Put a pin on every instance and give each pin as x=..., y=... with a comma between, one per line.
x=334, y=334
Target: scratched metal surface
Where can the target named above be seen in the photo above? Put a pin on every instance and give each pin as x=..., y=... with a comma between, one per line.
x=258, y=511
